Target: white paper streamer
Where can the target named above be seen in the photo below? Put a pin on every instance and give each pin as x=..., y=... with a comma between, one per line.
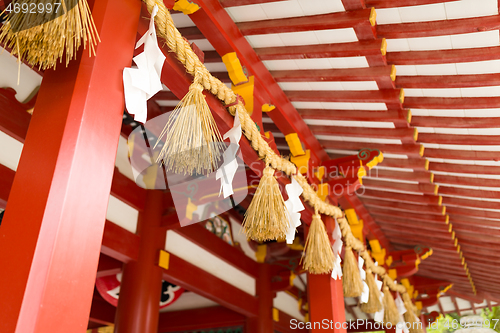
x=337, y=249
x=141, y=83
x=400, y=305
x=293, y=206
x=228, y=169
x=365, y=295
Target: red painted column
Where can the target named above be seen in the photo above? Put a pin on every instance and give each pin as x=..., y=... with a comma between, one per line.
x=326, y=298
x=263, y=323
x=50, y=237
x=140, y=291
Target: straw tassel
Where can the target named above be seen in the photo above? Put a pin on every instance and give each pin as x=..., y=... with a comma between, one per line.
x=266, y=217
x=391, y=313
x=56, y=29
x=373, y=305
x=318, y=254
x=409, y=315
x=193, y=144
x=352, y=284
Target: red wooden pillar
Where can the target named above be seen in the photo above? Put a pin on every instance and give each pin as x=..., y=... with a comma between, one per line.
x=140, y=291
x=263, y=323
x=50, y=237
x=326, y=298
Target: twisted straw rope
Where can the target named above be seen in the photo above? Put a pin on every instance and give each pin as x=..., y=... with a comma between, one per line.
x=177, y=44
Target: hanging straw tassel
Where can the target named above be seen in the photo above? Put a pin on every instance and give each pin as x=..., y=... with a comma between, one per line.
x=318, y=254
x=373, y=305
x=351, y=281
x=266, y=217
x=409, y=316
x=193, y=144
x=391, y=313
x=56, y=29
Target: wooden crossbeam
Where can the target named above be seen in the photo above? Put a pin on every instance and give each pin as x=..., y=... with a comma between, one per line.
x=462, y=168
x=464, y=202
x=410, y=163
x=465, y=192
x=484, y=214
x=469, y=181
x=442, y=56
x=395, y=215
x=374, y=47
x=462, y=154
x=416, y=188
x=370, y=96
x=335, y=74
x=459, y=139
x=452, y=102
x=397, y=116
x=447, y=81
x=402, y=197
x=456, y=122
x=401, y=3
x=416, y=176
x=411, y=150
x=338, y=20
x=236, y=3
x=199, y=319
x=439, y=28
x=403, y=207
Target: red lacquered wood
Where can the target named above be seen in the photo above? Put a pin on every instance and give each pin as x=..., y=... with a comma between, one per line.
x=141, y=285
x=353, y=49
x=326, y=298
x=401, y=3
x=199, y=319
x=370, y=96
x=460, y=139
x=458, y=122
x=439, y=28
x=417, y=188
x=448, y=81
x=336, y=74
x=338, y=20
x=401, y=197
x=462, y=154
x=54, y=221
x=6, y=179
x=14, y=119
x=442, y=56
x=263, y=322
x=462, y=168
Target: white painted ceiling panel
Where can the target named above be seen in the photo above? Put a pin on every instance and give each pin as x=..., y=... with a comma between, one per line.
x=470, y=8
x=433, y=12
x=122, y=214
x=10, y=151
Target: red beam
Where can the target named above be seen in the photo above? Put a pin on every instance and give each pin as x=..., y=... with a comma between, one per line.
x=442, y=56
x=352, y=49
x=119, y=244
x=439, y=28
x=472, y=220
x=195, y=279
x=485, y=214
x=213, y=244
x=459, y=139
x=6, y=180
x=406, y=134
x=418, y=176
x=306, y=23
x=236, y=3
x=224, y=35
x=199, y=319
x=402, y=197
x=451, y=122
x=447, y=81
x=452, y=102
x=14, y=120
x=403, y=207
x=438, y=220
x=401, y=3
x=371, y=96
x=417, y=188
x=462, y=168
x=412, y=150
x=462, y=154
x=410, y=163
x=341, y=74
x=102, y=312
x=469, y=181
x=462, y=202
x=465, y=192
x=399, y=116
